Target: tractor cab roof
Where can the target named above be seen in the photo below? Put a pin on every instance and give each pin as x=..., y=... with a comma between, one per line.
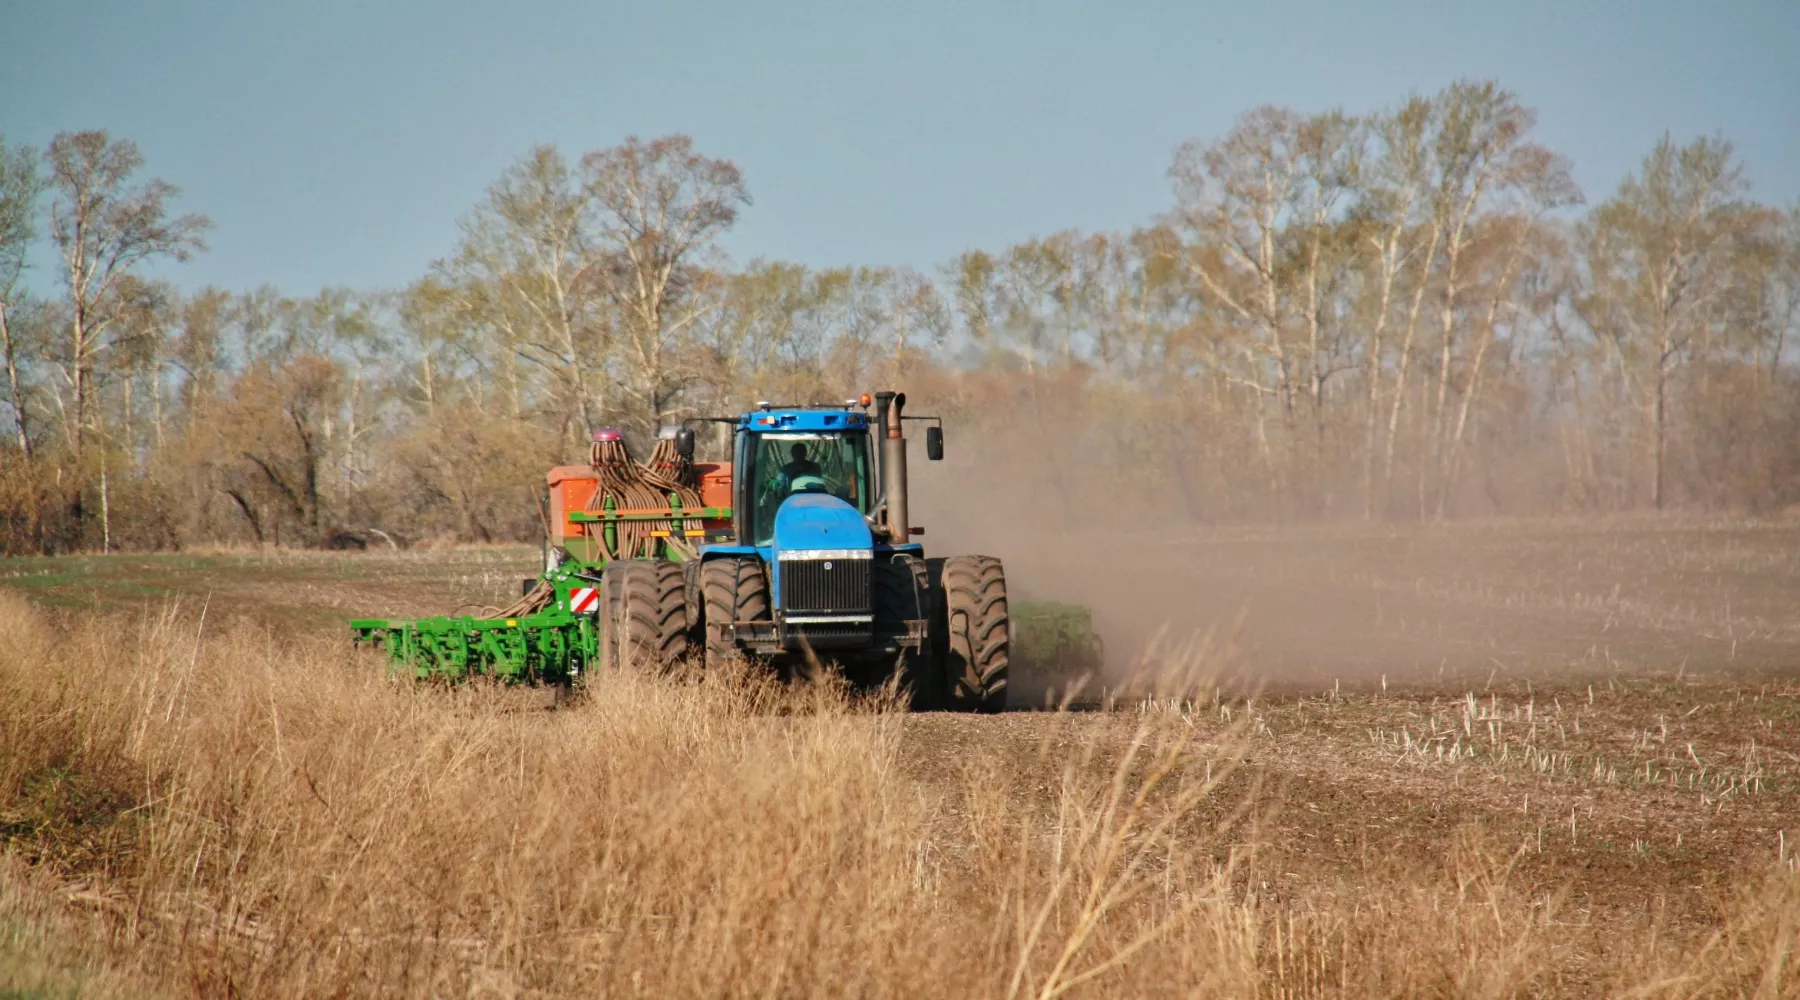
x=804, y=419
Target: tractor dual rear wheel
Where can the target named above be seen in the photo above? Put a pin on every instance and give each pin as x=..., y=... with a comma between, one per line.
x=645, y=612
x=975, y=632
x=732, y=589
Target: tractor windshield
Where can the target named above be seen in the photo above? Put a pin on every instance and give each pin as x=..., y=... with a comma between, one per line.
x=787, y=463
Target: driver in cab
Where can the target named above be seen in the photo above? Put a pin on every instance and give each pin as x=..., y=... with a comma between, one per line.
x=798, y=466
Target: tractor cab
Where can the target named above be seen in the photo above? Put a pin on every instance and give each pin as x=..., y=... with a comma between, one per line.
x=786, y=453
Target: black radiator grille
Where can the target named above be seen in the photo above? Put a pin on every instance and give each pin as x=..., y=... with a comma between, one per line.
x=825, y=586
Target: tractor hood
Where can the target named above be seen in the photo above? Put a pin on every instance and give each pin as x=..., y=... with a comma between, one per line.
x=813, y=521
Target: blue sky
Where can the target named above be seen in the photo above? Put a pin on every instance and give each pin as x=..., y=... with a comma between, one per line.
x=336, y=143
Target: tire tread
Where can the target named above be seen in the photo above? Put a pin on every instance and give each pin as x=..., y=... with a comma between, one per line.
x=978, y=632
x=646, y=604
x=733, y=589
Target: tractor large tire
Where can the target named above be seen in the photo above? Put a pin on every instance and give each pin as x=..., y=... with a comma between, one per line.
x=902, y=593
x=977, y=633
x=646, y=613
x=731, y=590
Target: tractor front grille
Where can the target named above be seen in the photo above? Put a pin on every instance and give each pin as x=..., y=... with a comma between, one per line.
x=838, y=585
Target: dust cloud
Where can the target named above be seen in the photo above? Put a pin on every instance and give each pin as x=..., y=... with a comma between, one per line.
x=1313, y=605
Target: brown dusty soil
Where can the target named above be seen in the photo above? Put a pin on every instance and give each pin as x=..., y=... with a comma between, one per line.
x=1614, y=705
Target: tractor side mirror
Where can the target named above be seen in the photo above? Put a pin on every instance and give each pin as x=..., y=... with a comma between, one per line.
x=684, y=443
x=934, y=443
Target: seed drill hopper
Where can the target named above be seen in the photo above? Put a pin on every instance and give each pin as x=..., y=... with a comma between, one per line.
x=800, y=550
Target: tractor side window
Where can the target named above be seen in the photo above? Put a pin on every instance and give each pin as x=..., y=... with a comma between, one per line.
x=837, y=464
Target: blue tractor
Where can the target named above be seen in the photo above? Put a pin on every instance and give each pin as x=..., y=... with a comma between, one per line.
x=820, y=562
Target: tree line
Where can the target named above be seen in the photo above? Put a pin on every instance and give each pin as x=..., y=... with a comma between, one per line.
x=1410, y=313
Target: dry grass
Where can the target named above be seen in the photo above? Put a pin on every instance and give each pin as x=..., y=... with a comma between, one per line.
x=208, y=808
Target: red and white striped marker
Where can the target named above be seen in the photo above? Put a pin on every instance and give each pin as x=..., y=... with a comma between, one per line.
x=584, y=600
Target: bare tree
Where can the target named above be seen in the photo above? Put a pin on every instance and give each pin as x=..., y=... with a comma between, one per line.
x=919, y=318
x=523, y=275
x=1235, y=197
x=1528, y=184
x=1394, y=185
x=273, y=445
x=657, y=210
x=437, y=344
x=1329, y=150
x=1657, y=267
x=1480, y=137
x=105, y=228
x=20, y=187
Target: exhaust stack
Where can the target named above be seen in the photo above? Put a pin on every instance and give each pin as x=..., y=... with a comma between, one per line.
x=888, y=407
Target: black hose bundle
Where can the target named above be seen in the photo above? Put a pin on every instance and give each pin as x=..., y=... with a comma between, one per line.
x=631, y=487
x=670, y=470
x=641, y=487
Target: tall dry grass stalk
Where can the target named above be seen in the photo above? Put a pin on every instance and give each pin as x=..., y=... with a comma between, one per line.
x=214, y=812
